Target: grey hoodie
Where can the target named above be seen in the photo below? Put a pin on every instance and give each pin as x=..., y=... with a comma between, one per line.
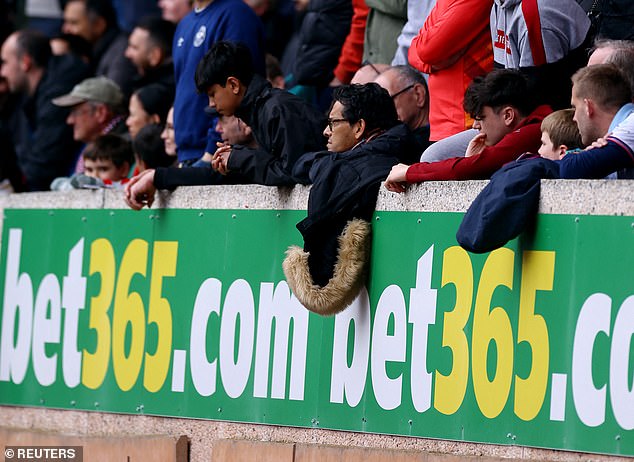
x=564, y=26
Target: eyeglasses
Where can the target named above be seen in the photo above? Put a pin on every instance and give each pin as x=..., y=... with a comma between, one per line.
x=332, y=122
x=409, y=87
x=368, y=63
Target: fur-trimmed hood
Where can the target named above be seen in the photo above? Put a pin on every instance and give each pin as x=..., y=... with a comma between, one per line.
x=349, y=275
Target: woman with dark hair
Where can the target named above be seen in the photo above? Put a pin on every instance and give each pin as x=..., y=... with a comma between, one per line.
x=148, y=105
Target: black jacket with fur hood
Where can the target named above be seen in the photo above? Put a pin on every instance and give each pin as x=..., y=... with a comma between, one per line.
x=345, y=186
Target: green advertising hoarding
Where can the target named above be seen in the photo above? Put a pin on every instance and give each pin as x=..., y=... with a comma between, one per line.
x=186, y=313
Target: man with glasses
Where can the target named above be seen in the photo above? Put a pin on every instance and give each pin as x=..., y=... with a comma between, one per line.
x=43, y=142
x=408, y=89
x=97, y=108
x=365, y=139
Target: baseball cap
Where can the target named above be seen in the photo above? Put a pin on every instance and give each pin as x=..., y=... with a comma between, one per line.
x=98, y=89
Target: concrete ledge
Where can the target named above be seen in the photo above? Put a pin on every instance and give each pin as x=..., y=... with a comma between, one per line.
x=586, y=197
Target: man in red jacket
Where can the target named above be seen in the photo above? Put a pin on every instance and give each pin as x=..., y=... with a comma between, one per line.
x=509, y=123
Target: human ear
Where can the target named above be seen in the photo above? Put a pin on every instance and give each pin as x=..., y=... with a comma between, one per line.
x=421, y=95
x=359, y=129
x=99, y=26
x=508, y=115
x=156, y=55
x=233, y=84
x=588, y=106
x=26, y=63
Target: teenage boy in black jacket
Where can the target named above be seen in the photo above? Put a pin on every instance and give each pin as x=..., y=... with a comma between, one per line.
x=283, y=125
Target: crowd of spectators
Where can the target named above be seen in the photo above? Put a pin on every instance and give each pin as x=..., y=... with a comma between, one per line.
x=233, y=91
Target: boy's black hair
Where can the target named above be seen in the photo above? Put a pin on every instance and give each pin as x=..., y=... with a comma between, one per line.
x=36, y=45
x=160, y=32
x=501, y=87
x=369, y=102
x=112, y=147
x=150, y=147
x=223, y=60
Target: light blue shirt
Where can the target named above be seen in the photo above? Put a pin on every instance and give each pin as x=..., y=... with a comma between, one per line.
x=620, y=116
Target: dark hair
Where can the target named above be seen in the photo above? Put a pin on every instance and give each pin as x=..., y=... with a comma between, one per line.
x=160, y=32
x=501, y=87
x=77, y=45
x=273, y=68
x=112, y=147
x=102, y=9
x=223, y=60
x=369, y=102
x=150, y=147
x=156, y=99
x=35, y=44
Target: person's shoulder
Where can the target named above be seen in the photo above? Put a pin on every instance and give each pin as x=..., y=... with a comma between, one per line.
x=624, y=132
x=232, y=7
x=63, y=73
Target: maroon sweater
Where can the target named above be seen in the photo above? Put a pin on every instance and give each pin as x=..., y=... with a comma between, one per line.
x=525, y=138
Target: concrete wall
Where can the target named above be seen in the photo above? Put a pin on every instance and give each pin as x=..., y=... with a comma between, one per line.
x=115, y=437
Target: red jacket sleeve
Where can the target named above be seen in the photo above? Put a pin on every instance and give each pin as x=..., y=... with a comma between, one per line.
x=482, y=166
x=352, y=50
x=449, y=29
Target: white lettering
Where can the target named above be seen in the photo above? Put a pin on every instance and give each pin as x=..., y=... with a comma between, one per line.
x=388, y=348
x=238, y=304
x=46, y=329
x=283, y=307
x=621, y=395
x=594, y=318
x=349, y=376
x=422, y=314
x=18, y=302
x=73, y=301
x=203, y=371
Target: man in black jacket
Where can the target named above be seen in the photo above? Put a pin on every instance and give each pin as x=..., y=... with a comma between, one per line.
x=365, y=139
x=95, y=21
x=43, y=141
x=283, y=125
x=150, y=50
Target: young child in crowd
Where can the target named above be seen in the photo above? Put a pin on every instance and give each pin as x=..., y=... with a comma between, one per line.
x=560, y=135
x=109, y=158
x=149, y=149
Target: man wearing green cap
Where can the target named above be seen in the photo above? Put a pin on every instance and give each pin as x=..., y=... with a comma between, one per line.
x=97, y=107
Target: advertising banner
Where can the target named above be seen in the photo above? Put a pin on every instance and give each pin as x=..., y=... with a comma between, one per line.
x=186, y=313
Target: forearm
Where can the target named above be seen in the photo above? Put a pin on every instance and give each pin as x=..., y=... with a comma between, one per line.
x=598, y=162
x=171, y=177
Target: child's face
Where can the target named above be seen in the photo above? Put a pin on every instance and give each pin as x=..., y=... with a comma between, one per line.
x=226, y=99
x=105, y=169
x=549, y=151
